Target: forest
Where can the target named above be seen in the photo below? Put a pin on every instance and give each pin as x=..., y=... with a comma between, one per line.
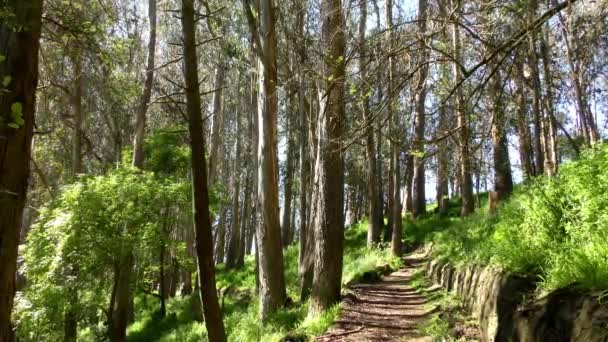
x=299, y=170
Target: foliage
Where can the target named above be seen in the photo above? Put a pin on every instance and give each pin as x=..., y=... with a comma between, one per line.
x=556, y=228
x=81, y=236
x=239, y=301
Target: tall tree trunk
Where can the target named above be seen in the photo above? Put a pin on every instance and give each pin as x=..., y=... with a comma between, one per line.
x=442, y=163
x=286, y=224
x=220, y=237
x=523, y=128
x=202, y=218
x=271, y=271
x=218, y=117
x=550, y=120
x=120, y=315
x=419, y=184
x=329, y=221
x=140, y=121
x=466, y=182
x=20, y=49
x=395, y=208
x=503, y=179
x=76, y=104
x=374, y=227
x=234, y=243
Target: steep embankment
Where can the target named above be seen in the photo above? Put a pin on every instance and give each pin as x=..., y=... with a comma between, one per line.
x=538, y=269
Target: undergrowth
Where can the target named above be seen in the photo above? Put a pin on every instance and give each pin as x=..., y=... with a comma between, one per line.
x=239, y=301
x=554, y=228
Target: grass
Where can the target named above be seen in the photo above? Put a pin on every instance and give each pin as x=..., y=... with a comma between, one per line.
x=240, y=301
x=553, y=228
x=450, y=312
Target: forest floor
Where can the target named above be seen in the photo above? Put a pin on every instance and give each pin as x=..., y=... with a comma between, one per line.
x=401, y=306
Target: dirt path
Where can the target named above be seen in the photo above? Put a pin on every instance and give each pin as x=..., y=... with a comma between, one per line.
x=388, y=310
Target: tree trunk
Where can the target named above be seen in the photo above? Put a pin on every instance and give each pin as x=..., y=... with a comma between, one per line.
x=442, y=163
x=419, y=184
x=395, y=195
x=220, y=237
x=286, y=224
x=271, y=271
x=374, y=226
x=76, y=104
x=120, y=315
x=329, y=221
x=503, y=179
x=202, y=218
x=162, y=281
x=140, y=121
x=20, y=48
x=235, y=224
x=218, y=117
x=466, y=182
x=523, y=128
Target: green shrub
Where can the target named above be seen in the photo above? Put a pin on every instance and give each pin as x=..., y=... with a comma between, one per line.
x=556, y=228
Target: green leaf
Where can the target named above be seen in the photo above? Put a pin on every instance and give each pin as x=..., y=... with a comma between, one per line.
x=6, y=81
x=2, y=58
x=19, y=120
x=13, y=125
x=17, y=108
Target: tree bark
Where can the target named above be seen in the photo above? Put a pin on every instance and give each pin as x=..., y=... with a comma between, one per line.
x=235, y=224
x=523, y=128
x=271, y=271
x=218, y=118
x=329, y=221
x=395, y=208
x=419, y=184
x=286, y=224
x=466, y=182
x=503, y=179
x=374, y=226
x=20, y=48
x=140, y=121
x=202, y=219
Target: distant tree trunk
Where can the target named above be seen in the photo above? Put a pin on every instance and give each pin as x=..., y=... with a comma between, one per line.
x=374, y=227
x=140, y=121
x=271, y=271
x=523, y=128
x=419, y=184
x=551, y=123
x=442, y=163
x=20, y=48
x=163, y=284
x=76, y=106
x=120, y=315
x=395, y=208
x=329, y=221
x=286, y=224
x=70, y=316
x=218, y=117
x=220, y=237
x=466, y=182
x=202, y=218
x=503, y=179
x=235, y=224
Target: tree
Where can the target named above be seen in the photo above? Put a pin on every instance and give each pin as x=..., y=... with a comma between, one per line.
x=19, y=43
x=395, y=194
x=202, y=217
x=374, y=205
x=268, y=234
x=328, y=220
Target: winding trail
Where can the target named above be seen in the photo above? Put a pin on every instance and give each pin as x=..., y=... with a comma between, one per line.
x=387, y=310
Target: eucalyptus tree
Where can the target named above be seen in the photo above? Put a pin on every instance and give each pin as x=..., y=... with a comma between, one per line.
x=328, y=220
x=19, y=71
